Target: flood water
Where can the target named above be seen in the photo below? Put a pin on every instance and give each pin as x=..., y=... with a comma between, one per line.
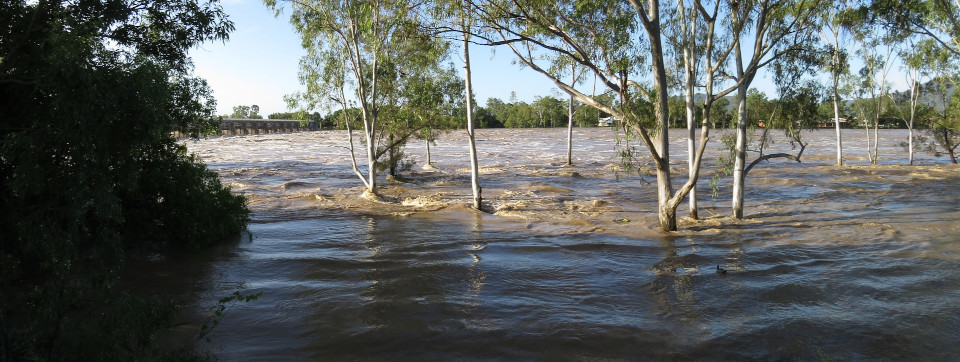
x=846, y=263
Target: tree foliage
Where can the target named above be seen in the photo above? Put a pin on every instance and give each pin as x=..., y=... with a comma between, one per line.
x=368, y=54
x=545, y=111
x=246, y=112
x=88, y=168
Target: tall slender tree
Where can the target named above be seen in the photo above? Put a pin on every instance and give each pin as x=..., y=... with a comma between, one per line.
x=876, y=53
x=778, y=28
x=913, y=60
x=465, y=25
x=837, y=38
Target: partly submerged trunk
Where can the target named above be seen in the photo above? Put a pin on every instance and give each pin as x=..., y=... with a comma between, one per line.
x=667, y=211
x=570, y=129
x=866, y=130
x=368, y=110
x=691, y=129
x=914, y=95
x=391, y=155
x=689, y=75
x=428, y=152
x=836, y=120
x=740, y=152
x=949, y=147
x=371, y=157
x=910, y=137
x=353, y=155
x=876, y=139
x=474, y=167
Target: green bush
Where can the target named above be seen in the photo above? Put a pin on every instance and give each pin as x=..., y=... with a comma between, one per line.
x=88, y=170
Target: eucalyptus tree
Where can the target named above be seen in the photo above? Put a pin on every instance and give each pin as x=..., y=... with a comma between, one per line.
x=937, y=20
x=945, y=130
x=704, y=55
x=779, y=28
x=575, y=74
x=454, y=16
x=837, y=39
x=371, y=44
x=876, y=52
x=549, y=111
x=601, y=37
x=793, y=111
x=434, y=96
x=943, y=127
x=465, y=22
x=246, y=112
x=416, y=92
x=913, y=60
x=685, y=38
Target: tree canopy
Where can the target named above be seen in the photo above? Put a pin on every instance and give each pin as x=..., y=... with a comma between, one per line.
x=88, y=168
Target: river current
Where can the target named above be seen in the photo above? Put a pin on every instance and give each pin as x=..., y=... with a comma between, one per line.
x=859, y=262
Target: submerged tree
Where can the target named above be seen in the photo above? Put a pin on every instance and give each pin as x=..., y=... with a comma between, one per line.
x=454, y=16
x=362, y=48
x=834, y=33
x=779, y=29
x=599, y=37
x=943, y=125
x=687, y=40
x=877, y=53
x=945, y=130
x=434, y=97
x=914, y=57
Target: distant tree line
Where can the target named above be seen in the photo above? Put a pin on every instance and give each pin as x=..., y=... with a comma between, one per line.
x=543, y=112
x=549, y=111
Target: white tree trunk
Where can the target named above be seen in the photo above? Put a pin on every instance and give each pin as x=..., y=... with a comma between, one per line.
x=836, y=119
x=691, y=127
x=740, y=153
x=573, y=75
x=866, y=130
x=914, y=96
x=661, y=141
x=474, y=167
x=371, y=157
x=876, y=138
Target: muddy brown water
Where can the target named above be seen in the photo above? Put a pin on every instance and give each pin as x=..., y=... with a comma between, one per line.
x=849, y=263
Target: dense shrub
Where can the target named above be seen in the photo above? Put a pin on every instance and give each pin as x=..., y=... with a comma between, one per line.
x=88, y=169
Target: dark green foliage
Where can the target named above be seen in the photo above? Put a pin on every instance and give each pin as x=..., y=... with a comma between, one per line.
x=88, y=169
x=182, y=203
x=543, y=112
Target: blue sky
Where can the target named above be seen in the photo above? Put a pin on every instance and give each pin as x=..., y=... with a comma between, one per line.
x=259, y=64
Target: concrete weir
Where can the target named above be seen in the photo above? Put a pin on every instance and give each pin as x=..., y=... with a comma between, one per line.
x=237, y=127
